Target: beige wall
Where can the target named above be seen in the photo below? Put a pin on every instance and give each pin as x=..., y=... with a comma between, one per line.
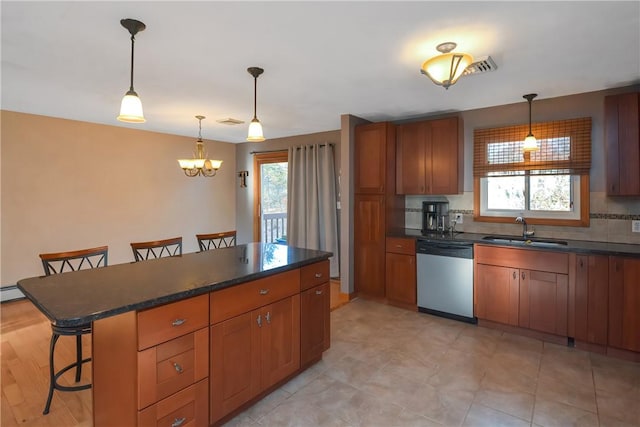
x=70, y=185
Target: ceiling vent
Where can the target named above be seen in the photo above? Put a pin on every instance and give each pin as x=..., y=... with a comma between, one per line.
x=482, y=65
x=230, y=121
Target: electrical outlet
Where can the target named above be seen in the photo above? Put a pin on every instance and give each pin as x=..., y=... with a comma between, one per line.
x=635, y=226
x=459, y=218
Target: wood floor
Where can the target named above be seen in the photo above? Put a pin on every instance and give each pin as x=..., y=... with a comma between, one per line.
x=25, y=335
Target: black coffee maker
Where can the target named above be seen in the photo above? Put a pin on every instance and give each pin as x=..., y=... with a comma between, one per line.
x=435, y=217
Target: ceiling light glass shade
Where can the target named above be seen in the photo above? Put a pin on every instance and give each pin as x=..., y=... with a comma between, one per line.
x=255, y=131
x=444, y=70
x=131, y=108
x=530, y=144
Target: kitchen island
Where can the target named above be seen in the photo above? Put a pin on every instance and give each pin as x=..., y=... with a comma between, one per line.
x=193, y=339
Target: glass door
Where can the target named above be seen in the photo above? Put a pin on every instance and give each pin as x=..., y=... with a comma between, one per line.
x=270, y=197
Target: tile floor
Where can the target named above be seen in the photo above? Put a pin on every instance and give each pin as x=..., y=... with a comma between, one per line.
x=392, y=367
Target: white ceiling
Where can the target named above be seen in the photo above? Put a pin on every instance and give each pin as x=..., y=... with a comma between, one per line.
x=321, y=59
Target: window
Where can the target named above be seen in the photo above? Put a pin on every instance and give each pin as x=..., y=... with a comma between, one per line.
x=550, y=185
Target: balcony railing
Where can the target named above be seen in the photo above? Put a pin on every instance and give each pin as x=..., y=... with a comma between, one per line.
x=274, y=227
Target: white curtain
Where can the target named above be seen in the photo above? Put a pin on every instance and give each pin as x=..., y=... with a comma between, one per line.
x=312, y=219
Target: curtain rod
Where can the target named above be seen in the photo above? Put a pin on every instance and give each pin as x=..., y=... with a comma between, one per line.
x=286, y=149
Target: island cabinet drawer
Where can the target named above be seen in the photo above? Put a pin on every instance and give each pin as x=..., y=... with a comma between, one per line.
x=172, y=366
x=399, y=245
x=242, y=298
x=159, y=324
x=187, y=408
x=314, y=274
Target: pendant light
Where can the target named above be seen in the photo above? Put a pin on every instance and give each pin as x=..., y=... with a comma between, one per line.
x=444, y=70
x=200, y=165
x=255, y=128
x=131, y=107
x=530, y=143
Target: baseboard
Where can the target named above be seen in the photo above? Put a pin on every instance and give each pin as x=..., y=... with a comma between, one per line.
x=10, y=293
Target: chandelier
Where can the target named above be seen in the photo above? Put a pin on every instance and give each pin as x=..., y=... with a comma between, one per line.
x=444, y=70
x=200, y=165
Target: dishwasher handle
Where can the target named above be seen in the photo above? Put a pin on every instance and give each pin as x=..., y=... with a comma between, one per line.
x=445, y=249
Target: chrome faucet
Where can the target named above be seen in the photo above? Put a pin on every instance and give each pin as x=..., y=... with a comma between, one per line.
x=525, y=232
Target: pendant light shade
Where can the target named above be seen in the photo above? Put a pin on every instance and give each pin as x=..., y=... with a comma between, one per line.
x=131, y=106
x=445, y=70
x=255, y=127
x=530, y=143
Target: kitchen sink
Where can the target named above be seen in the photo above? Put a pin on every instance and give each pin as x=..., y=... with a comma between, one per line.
x=523, y=241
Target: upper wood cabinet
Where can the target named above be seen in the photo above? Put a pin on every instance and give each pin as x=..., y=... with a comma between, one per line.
x=429, y=157
x=622, y=144
x=374, y=158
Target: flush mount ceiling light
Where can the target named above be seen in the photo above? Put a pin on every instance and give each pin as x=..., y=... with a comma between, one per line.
x=255, y=128
x=131, y=107
x=530, y=143
x=200, y=165
x=444, y=70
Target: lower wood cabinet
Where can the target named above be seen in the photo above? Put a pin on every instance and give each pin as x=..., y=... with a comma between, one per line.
x=251, y=352
x=314, y=323
x=369, y=244
x=544, y=301
x=497, y=293
x=624, y=303
x=591, y=299
x=400, y=271
x=188, y=407
x=523, y=288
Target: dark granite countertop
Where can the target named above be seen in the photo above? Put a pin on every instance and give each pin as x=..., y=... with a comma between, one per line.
x=74, y=298
x=575, y=246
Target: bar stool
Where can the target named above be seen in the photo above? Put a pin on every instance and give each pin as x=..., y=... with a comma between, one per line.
x=157, y=249
x=223, y=239
x=60, y=262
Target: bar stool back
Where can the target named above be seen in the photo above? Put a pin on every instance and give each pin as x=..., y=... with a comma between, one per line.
x=157, y=249
x=223, y=239
x=60, y=262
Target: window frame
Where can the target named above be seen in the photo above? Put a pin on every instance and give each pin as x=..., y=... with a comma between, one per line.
x=577, y=166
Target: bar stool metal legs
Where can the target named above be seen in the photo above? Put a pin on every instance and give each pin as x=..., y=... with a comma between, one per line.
x=57, y=332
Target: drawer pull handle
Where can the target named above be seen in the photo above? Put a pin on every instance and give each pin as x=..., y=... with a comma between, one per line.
x=177, y=367
x=178, y=422
x=259, y=320
x=178, y=322
x=318, y=292
x=514, y=274
x=318, y=275
x=264, y=291
x=398, y=246
x=268, y=317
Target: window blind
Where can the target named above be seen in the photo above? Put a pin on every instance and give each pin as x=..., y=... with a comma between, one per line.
x=564, y=148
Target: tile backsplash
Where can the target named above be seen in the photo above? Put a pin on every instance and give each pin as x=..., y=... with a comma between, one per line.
x=610, y=219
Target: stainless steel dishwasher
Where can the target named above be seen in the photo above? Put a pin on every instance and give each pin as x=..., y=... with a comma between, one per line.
x=445, y=279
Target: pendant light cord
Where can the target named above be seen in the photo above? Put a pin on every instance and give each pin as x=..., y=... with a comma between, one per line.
x=255, y=97
x=132, y=41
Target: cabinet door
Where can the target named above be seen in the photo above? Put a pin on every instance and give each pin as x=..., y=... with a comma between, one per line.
x=622, y=141
x=369, y=244
x=411, y=157
x=235, y=363
x=400, y=283
x=314, y=323
x=280, y=340
x=592, y=297
x=442, y=167
x=624, y=303
x=497, y=293
x=546, y=301
x=370, y=157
